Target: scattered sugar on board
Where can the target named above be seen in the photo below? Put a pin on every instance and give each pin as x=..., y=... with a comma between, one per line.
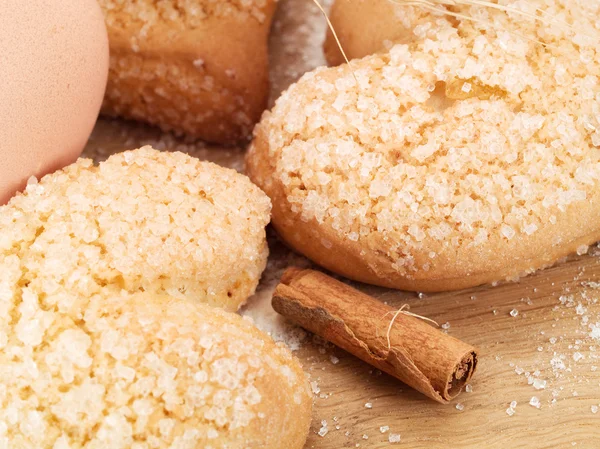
x=259, y=306
x=565, y=356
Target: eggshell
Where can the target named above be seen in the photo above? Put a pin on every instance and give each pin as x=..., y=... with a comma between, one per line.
x=53, y=70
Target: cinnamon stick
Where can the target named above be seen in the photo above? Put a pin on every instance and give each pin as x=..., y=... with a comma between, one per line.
x=412, y=351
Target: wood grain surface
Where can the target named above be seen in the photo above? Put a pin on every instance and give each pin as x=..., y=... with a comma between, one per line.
x=506, y=343
x=556, y=309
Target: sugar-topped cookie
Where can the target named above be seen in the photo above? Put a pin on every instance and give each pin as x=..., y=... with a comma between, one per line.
x=194, y=67
x=104, y=338
x=467, y=156
x=143, y=220
x=142, y=372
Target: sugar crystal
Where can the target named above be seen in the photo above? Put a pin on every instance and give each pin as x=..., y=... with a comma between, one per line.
x=394, y=438
x=323, y=430
x=535, y=402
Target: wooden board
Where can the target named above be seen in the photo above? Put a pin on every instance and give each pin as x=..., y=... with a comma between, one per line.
x=507, y=344
x=552, y=306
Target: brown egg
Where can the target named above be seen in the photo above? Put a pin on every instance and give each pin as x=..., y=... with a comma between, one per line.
x=53, y=70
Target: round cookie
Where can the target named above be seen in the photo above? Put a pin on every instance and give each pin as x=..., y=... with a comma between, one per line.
x=144, y=220
x=364, y=27
x=468, y=156
x=194, y=67
x=140, y=372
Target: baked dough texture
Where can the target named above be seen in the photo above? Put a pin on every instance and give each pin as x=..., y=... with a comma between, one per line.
x=468, y=156
x=141, y=372
x=104, y=338
x=193, y=67
x=364, y=27
x=143, y=220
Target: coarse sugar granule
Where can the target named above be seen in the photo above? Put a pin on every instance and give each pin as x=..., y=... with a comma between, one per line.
x=324, y=430
x=595, y=331
x=394, y=438
x=315, y=387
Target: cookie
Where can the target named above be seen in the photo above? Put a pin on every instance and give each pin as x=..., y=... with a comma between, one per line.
x=364, y=27
x=105, y=338
x=468, y=156
x=144, y=220
x=140, y=372
x=198, y=68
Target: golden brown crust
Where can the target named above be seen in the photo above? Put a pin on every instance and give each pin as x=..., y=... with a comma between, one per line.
x=206, y=77
x=366, y=261
x=143, y=220
x=148, y=371
x=458, y=159
x=105, y=340
x=364, y=26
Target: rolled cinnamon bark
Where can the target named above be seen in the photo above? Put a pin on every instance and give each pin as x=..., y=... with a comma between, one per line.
x=418, y=354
